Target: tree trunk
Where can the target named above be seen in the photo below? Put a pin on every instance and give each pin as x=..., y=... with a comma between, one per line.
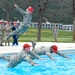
x=39, y=26
x=74, y=29
x=74, y=20
x=42, y=7
x=7, y=15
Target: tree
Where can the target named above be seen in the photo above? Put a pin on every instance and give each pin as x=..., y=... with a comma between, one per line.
x=42, y=8
x=74, y=20
x=7, y=8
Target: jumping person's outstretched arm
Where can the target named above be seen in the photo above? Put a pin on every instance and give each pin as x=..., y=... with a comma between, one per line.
x=49, y=55
x=15, y=5
x=63, y=55
x=29, y=60
x=19, y=9
x=34, y=55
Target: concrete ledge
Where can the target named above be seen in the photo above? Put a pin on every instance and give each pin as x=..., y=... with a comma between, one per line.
x=15, y=49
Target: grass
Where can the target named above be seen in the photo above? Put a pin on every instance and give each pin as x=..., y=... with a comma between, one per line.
x=46, y=36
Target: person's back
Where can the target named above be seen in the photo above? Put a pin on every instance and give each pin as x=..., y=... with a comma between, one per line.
x=27, y=18
x=41, y=50
x=17, y=59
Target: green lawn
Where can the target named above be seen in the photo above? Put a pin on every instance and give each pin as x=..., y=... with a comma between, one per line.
x=46, y=35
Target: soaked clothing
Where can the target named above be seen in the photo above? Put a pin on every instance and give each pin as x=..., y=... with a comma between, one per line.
x=23, y=27
x=16, y=59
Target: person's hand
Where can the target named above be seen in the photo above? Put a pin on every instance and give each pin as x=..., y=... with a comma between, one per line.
x=53, y=59
x=36, y=64
x=69, y=58
x=42, y=59
x=15, y=5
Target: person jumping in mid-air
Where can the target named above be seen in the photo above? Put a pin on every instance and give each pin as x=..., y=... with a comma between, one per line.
x=27, y=17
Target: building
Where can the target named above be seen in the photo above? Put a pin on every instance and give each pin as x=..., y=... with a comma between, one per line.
x=47, y=25
x=68, y=27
